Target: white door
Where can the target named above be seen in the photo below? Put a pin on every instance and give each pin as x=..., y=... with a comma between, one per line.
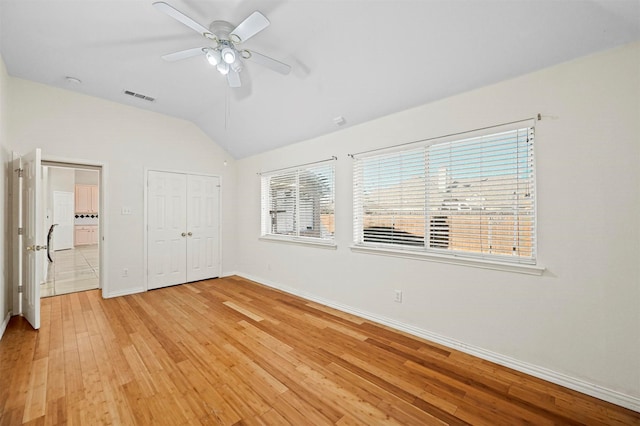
x=34, y=245
x=167, y=234
x=63, y=214
x=203, y=241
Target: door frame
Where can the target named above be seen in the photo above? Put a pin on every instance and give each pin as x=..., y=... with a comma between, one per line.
x=145, y=269
x=16, y=238
x=103, y=222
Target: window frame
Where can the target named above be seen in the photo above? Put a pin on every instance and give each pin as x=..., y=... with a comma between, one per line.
x=302, y=211
x=426, y=251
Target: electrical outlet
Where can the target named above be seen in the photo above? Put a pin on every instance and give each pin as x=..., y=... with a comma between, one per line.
x=398, y=296
x=125, y=272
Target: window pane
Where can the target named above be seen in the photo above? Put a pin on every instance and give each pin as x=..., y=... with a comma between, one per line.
x=282, y=209
x=393, y=199
x=299, y=202
x=316, y=202
x=480, y=194
x=471, y=196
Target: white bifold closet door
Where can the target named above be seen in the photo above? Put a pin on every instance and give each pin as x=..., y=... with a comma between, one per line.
x=183, y=228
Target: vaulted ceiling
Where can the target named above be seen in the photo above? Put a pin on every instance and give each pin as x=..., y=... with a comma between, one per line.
x=353, y=59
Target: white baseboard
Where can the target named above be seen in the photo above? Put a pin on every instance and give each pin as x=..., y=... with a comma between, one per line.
x=4, y=324
x=136, y=290
x=600, y=392
x=123, y=292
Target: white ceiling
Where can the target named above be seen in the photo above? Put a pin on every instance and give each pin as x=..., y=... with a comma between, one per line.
x=357, y=59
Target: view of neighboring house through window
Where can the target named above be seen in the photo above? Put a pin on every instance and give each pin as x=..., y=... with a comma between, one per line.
x=471, y=197
x=299, y=202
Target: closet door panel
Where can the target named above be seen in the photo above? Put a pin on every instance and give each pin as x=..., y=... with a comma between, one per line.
x=166, y=221
x=203, y=222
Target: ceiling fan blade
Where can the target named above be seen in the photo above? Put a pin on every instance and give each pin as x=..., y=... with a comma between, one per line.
x=251, y=26
x=183, y=54
x=179, y=16
x=233, y=78
x=268, y=62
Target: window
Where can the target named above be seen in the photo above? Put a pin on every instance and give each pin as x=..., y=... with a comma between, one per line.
x=458, y=197
x=298, y=203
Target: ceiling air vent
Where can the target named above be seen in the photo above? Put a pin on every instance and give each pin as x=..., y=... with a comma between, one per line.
x=139, y=96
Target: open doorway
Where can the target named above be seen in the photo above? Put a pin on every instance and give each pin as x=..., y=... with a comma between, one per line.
x=70, y=203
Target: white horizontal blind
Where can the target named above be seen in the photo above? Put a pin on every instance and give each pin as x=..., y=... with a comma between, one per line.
x=465, y=197
x=281, y=196
x=389, y=198
x=299, y=202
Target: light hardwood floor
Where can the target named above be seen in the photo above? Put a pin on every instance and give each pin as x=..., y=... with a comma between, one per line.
x=231, y=352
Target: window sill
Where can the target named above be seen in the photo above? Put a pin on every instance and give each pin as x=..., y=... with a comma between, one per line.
x=465, y=261
x=299, y=241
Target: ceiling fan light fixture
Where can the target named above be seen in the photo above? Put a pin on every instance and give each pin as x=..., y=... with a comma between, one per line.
x=228, y=55
x=223, y=68
x=213, y=56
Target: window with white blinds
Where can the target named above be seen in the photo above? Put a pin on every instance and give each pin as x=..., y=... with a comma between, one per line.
x=299, y=202
x=469, y=197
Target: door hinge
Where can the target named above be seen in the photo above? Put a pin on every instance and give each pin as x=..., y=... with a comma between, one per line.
x=20, y=231
x=20, y=172
x=20, y=288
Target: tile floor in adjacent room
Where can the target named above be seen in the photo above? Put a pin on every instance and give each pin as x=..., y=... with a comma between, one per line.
x=72, y=270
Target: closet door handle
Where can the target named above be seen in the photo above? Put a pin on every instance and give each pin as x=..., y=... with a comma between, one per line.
x=183, y=234
x=189, y=234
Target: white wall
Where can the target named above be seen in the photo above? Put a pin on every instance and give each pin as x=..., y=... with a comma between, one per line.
x=68, y=125
x=60, y=179
x=87, y=177
x=5, y=216
x=579, y=323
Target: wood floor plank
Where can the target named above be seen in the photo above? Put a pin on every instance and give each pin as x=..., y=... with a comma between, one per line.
x=55, y=375
x=55, y=411
x=243, y=311
x=44, y=334
x=232, y=352
x=208, y=393
x=35, y=402
x=16, y=368
x=298, y=411
x=402, y=410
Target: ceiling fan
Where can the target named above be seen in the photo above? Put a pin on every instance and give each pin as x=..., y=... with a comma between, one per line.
x=224, y=52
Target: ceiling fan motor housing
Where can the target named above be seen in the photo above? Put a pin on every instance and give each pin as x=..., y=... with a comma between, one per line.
x=221, y=29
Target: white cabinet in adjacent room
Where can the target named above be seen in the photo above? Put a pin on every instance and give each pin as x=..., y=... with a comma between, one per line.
x=183, y=228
